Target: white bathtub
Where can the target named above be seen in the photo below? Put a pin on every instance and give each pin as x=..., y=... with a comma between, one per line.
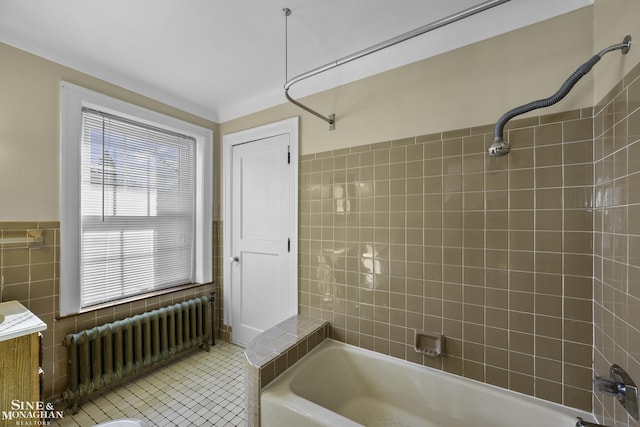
x=341, y=385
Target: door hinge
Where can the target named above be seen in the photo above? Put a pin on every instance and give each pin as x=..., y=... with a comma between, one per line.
x=289, y=245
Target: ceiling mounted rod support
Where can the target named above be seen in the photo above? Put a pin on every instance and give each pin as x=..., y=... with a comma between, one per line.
x=380, y=46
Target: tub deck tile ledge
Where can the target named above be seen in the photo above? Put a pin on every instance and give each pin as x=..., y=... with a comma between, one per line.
x=275, y=350
x=277, y=340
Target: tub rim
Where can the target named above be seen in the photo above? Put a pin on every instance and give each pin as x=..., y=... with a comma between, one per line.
x=275, y=390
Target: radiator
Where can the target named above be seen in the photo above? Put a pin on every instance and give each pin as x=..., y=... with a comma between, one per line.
x=100, y=356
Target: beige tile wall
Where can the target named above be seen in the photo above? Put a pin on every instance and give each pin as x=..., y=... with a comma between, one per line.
x=617, y=239
x=428, y=233
x=223, y=331
x=31, y=276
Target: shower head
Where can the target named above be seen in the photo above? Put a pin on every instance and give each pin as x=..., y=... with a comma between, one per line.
x=499, y=148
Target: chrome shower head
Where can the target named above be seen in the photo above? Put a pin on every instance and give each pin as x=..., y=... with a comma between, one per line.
x=499, y=148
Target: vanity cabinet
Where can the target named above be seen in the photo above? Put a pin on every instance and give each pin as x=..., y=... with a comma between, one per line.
x=19, y=363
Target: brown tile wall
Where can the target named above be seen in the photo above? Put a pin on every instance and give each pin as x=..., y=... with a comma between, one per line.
x=617, y=240
x=428, y=233
x=223, y=331
x=31, y=276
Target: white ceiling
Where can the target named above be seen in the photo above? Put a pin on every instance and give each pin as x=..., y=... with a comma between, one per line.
x=222, y=59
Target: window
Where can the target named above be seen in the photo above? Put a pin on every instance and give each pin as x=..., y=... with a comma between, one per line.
x=136, y=201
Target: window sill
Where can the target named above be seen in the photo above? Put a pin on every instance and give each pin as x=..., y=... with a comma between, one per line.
x=135, y=298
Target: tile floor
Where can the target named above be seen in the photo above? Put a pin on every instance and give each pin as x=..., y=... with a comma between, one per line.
x=199, y=389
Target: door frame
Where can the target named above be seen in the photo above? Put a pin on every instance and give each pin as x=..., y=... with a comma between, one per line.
x=287, y=126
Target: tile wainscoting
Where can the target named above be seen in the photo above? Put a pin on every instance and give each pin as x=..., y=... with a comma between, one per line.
x=32, y=276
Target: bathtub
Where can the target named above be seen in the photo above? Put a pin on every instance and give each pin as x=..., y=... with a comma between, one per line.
x=337, y=384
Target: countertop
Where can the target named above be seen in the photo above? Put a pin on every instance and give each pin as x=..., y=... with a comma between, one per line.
x=16, y=320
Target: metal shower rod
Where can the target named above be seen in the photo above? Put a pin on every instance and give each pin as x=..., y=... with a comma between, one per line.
x=380, y=46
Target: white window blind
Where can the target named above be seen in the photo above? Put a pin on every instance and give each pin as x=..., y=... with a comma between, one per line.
x=137, y=202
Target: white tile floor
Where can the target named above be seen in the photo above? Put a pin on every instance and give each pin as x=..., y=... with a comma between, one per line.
x=199, y=389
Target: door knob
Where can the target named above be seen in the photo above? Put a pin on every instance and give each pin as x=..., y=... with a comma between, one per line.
x=235, y=259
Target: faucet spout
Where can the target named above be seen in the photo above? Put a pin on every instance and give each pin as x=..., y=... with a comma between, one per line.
x=609, y=386
x=622, y=387
x=583, y=423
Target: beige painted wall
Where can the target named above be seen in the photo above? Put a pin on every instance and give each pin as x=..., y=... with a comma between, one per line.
x=470, y=86
x=467, y=87
x=613, y=20
x=29, y=131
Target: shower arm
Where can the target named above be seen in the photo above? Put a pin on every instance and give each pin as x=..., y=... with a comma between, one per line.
x=380, y=46
x=500, y=147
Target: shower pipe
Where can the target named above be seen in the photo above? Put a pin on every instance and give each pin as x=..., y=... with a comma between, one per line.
x=500, y=147
x=331, y=119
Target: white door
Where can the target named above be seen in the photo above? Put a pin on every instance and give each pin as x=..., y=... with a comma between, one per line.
x=261, y=266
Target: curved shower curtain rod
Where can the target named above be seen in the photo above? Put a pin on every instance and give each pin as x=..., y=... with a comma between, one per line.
x=377, y=47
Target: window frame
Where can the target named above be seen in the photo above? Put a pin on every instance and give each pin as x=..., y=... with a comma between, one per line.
x=72, y=99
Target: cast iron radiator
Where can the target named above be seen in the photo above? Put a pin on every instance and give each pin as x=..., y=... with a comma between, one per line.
x=105, y=354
